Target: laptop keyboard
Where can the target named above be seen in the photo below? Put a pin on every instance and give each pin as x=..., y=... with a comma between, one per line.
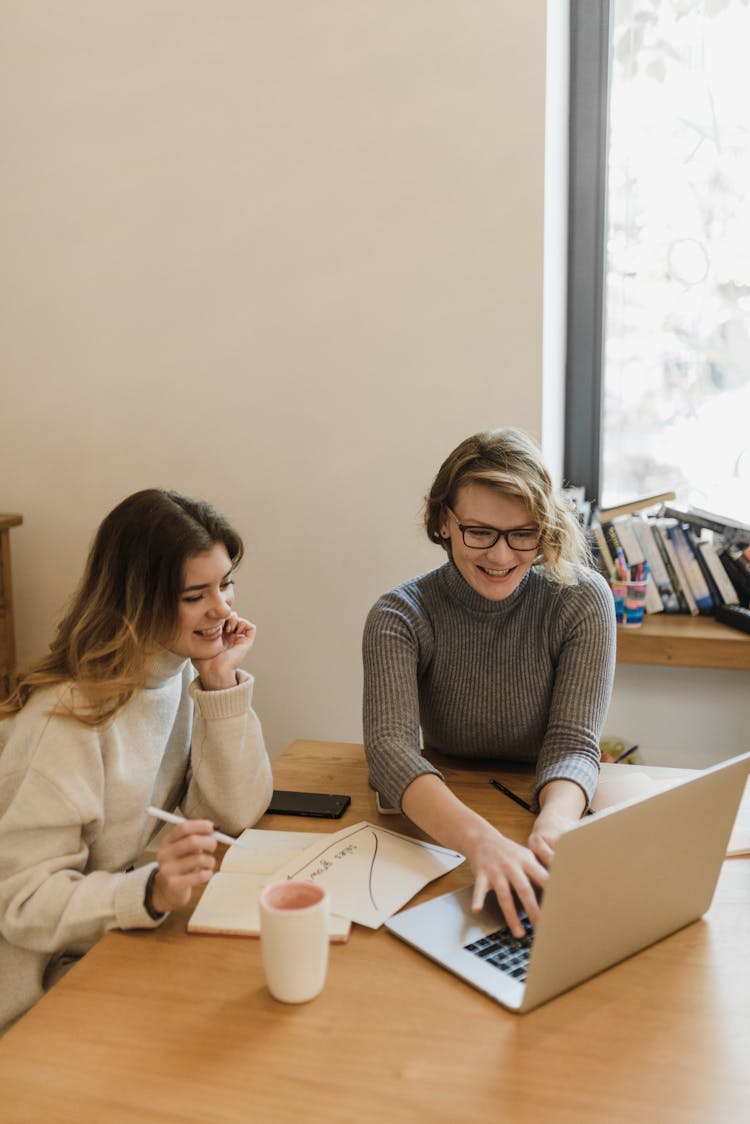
x=504, y=951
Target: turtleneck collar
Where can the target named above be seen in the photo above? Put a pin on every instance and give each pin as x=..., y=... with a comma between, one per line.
x=459, y=590
x=165, y=665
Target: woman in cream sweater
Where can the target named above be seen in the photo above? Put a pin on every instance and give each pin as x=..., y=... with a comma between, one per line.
x=139, y=701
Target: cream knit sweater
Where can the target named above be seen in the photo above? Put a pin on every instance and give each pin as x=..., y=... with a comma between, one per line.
x=73, y=819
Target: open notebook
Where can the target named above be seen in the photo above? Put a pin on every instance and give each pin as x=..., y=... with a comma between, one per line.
x=229, y=903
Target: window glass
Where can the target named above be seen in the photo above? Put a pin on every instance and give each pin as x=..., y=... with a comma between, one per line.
x=676, y=384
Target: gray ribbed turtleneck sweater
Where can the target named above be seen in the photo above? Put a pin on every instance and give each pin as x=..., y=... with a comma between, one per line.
x=527, y=679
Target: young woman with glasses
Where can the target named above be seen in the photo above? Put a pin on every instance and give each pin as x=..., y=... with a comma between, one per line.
x=506, y=651
x=140, y=701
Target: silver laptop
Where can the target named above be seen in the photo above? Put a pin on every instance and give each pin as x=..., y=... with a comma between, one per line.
x=620, y=880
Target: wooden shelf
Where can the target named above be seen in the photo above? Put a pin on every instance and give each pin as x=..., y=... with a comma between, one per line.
x=674, y=640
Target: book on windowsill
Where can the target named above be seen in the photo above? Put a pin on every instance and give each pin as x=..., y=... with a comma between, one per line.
x=738, y=569
x=657, y=569
x=670, y=541
x=730, y=530
x=691, y=569
x=716, y=595
x=717, y=579
x=229, y=904
x=631, y=507
x=612, y=538
x=669, y=557
x=600, y=549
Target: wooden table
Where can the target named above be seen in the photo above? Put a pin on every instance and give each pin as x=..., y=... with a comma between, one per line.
x=159, y=1026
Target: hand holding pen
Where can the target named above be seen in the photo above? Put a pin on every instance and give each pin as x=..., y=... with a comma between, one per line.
x=185, y=860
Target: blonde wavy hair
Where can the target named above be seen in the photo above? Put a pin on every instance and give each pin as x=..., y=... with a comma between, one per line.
x=508, y=460
x=126, y=607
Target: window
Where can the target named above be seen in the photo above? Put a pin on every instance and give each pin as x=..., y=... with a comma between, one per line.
x=659, y=268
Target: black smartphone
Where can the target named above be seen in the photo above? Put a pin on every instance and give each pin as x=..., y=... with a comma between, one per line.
x=325, y=805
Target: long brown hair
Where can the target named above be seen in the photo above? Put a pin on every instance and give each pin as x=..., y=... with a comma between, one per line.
x=127, y=604
x=508, y=460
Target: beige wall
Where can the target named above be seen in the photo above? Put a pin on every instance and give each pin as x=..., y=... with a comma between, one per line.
x=281, y=255
x=284, y=255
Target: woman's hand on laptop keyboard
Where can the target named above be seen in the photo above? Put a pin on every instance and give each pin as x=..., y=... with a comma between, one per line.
x=512, y=871
x=497, y=862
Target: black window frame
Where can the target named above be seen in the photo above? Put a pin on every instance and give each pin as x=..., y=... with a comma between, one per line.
x=590, y=47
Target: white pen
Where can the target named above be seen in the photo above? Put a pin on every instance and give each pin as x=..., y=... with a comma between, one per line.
x=170, y=817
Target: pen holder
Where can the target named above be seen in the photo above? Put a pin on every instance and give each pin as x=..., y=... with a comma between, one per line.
x=630, y=602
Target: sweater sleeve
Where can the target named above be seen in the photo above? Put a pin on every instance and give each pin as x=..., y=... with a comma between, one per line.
x=48, y=900
x=585, y=634
x=392, y=648
x=230, y=780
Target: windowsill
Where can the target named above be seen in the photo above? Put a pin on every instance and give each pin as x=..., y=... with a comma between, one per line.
x=683, y=641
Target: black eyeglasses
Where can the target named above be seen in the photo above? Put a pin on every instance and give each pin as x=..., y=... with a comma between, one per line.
x=482, y=538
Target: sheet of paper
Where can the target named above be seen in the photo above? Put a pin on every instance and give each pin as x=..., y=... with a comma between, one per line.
x=370, y=872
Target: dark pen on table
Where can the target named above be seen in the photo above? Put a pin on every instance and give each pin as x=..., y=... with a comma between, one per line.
x=511, y=795
x=624, y=754
x=524, y=804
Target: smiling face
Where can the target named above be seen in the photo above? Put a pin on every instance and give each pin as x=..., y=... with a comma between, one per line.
x=205, y=603
x=496, y=571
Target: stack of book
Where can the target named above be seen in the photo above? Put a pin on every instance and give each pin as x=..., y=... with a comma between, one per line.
x=695, y=560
